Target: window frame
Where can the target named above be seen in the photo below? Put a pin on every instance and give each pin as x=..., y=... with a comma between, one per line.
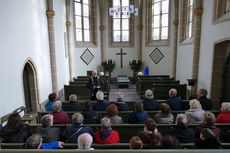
x=219, y=12
x=92, y=26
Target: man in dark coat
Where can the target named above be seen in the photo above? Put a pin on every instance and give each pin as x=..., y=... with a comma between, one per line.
x=90, y=116
x=174, y=102
x=205, y=102
x=94, y=84
x=150, y=104
x=100, y=105
x=72, y=105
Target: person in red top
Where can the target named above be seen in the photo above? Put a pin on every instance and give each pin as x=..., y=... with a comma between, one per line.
x=224, y=116
x=106, y=134
x=60, y=117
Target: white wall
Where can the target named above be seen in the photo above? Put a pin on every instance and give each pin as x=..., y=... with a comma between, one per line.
x=23, y=34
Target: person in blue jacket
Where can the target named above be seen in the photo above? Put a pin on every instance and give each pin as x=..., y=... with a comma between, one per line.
x=139, y=115
x=174, y=102
x=35, y=142
x=52, y=99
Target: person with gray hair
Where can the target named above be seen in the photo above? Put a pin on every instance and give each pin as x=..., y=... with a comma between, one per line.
x=195, y=113
x=60, y=117
x=120, y=103
x=72, y=132
x=84, y=142
x=205, y=102
x=94, y=84
x=100, y=105
x=48, y=132
x=149, y=102
x=224, y=116
x=106, y=134
x=72, y=105
x=173, y=101
x=181, y=131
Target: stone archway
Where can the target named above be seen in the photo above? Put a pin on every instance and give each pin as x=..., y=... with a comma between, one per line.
x=221, y=69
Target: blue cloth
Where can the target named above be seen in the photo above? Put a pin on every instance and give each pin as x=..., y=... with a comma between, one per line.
x=175, y=103
x=146, y=70
x=100, y=105
x=51, y=145
x=138, y=118
x=49, y=106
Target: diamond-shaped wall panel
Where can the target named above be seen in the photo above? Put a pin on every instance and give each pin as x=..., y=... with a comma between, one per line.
x=156, y=55
x=87, y=56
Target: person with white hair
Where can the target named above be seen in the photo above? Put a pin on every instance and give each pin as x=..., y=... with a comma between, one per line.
x=181, y=131
x=100, y=105
x=72, y=132
x=94, y=84
x=60, y=117
x=195, y=113
x=173, y=101
x=84, y=142
x=120, y=103
x=150, y=104
x=224, y=116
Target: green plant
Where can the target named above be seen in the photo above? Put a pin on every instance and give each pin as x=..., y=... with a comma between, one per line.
x=108, y=66
x=135, y=65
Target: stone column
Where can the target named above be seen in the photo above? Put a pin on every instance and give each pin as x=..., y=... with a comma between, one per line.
x=102, y=28
x=68, y=25
x=140, y=27
x=50, y=14
x=196, y=38
x=175, y=22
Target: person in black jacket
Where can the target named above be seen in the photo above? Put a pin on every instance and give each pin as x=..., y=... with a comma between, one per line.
x=100, y=105
x=149, y=102
x=48, y=132
x=72, y=105
x=15, y=131
x=120, y=103
x=205, y=102
x=90, y=116
x=173, y=101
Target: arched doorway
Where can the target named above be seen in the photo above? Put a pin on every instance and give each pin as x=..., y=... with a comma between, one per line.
x=220, y=90
x=30, y=88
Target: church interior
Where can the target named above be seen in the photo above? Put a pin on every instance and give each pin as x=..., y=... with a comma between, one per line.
x=48, y=44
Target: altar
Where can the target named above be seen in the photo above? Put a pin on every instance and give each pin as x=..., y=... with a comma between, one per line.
x=123, y=81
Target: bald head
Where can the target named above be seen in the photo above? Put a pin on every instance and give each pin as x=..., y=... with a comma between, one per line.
x=84, y=141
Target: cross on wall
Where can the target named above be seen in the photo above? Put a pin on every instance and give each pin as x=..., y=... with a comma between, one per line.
x=121, y=55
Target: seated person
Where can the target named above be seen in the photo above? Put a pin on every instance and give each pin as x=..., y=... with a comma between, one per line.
x=100, y=105
x=150, y=134
x=84, y=142
x=174, y=102
x=49, y=105
x=224, y=116
x=72, y=132
x=208, y=140
x=181, y=131
x=149, y=102
x=106, y=134
x=94, y=84
x=120, y=103
x=48, y=132
x=60, y=117
x=165, y=116
x=139, y=115
x=195, y=113
x=205, y=102
x=170, y=142
x=90, y=116
x=135, y=143
x=35, y=142
x=111, y=113
x=15, y=131
x=208, y=121
x=72, y=105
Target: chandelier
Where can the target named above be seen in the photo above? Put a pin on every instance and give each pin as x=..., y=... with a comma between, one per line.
x=124, y=10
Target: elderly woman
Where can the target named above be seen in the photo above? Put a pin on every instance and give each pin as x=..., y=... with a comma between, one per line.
x=149, y=102
x=111, y=113
x=150, y=133
x=15, y=131
x=139, y=115
x=72, y=132
x=224, y=116
x=48, y=132
x=174, y=102
x=165, y=116
x=100, y=105
x=72, y=105
x=195, y=113
x=106, y=134
x=60, y=117
x=120, y=103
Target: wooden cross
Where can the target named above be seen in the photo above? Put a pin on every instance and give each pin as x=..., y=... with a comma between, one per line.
x=121, y=54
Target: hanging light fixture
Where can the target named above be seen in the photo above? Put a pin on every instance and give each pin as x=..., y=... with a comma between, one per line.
x=124, y=10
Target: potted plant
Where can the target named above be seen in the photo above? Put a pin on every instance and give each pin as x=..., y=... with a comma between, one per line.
x=135, y=66
x=108, y=66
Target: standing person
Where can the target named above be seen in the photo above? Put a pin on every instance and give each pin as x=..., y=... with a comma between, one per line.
x=205, y=102
x=150, y=104
x=174, y=102
x=72, y=105
x=94, y=84
x=49, y=105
